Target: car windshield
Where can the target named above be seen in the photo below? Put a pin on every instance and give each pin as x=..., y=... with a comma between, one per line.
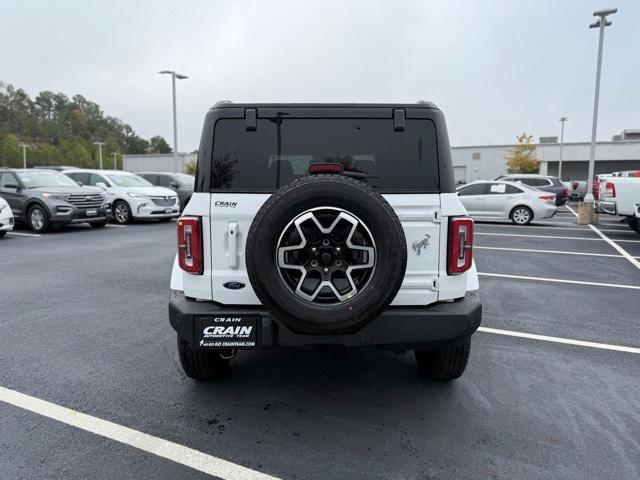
x=43, y=178
x=185, y=180
x=128, y=180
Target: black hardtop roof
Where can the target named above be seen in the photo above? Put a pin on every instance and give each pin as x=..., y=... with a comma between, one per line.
x=229, y=104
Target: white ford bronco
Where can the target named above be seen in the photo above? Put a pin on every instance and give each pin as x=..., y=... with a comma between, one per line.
x=324, y=224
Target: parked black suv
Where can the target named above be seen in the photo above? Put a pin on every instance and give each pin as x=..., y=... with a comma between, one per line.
x=45, y=198
x=181, y=183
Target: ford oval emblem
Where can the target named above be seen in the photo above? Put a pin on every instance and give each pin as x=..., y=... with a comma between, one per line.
x=234, y=285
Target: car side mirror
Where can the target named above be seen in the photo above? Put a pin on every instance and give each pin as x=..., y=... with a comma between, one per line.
x=102, y=185
x=173, y=184
x=11, y=185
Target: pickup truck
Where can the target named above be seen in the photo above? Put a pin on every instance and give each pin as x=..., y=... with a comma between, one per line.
x=621, y=196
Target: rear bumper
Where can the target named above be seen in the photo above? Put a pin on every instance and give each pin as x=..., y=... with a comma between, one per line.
x=606, y=207
x=547, y=212
x=397, y=328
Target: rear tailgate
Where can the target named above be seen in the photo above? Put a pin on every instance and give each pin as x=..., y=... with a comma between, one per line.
x=420, y=216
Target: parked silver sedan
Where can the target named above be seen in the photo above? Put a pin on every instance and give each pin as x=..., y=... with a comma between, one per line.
x=507, y=201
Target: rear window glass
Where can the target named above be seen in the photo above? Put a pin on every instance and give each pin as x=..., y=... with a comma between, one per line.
x=281, y=150
x=534, y=182
x=474, y=189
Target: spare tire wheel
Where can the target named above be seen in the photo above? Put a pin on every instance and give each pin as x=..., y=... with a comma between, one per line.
x=326, y=254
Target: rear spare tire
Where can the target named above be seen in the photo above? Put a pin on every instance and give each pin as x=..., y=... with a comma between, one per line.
x=326, y=254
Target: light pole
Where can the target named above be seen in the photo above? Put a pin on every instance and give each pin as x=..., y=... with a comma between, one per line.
x=179, y=76
x=601, y=23
x=562, y=120
x=100, y=144
x=24, y=147
x=115, y=160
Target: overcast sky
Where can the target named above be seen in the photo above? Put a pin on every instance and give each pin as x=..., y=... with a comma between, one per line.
x=495, y=68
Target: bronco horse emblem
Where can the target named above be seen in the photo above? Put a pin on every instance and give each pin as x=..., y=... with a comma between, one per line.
x=420, y=244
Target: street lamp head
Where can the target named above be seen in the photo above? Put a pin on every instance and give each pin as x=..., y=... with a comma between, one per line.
x=604, y=12
x=180, y=76
x=165, y=71
x=597, y=23
x=563, y=119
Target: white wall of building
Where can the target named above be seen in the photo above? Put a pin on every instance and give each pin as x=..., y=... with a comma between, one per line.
x=484, y=162
x=165, y=162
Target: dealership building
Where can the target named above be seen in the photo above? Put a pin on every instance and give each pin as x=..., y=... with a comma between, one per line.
x=480, y=162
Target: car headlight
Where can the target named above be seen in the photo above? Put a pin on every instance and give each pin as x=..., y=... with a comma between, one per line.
x=56, y=196
x=137, y=195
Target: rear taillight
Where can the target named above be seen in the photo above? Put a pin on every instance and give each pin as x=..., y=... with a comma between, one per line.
x=190, y=245
x=636, y=174
x=460, y=252
x=575, y=185
x=596, y=189
x=610, y=190
x=564, y=193
x=547, y=197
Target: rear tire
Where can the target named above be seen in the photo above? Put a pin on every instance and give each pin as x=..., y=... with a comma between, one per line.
x=2, y=234
x=444, y=364
x=202, y=364
x=521, y=215
x=122, y=212
x=38, y=219
x=634, y=223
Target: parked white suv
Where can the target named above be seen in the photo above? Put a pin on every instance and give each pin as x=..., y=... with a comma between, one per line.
x=131, y=196
x=324, y=225
x=6, y=218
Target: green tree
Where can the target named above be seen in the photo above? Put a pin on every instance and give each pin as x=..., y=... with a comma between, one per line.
x=522, y=157
x=190, y=168
x=9, y=151
x=62, y=130
x=158, y=144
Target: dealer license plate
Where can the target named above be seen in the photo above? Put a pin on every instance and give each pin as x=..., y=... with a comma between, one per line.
x=91, y=213
x=229, y=331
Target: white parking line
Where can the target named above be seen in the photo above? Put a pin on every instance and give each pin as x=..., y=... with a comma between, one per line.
x=558, y=280
x=562, y=252
x=148, y=443
x=621, y=230
x=538, y=226
x=115, y=226
x=536, y=236
x=566, y=341
x=618, y=248
x=20, y=234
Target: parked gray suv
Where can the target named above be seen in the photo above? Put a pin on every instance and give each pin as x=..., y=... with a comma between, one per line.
x=546, y=183
x=181, y=183
x=45, y=198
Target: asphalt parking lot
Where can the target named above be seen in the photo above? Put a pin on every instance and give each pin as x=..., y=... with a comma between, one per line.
x=83, y=323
